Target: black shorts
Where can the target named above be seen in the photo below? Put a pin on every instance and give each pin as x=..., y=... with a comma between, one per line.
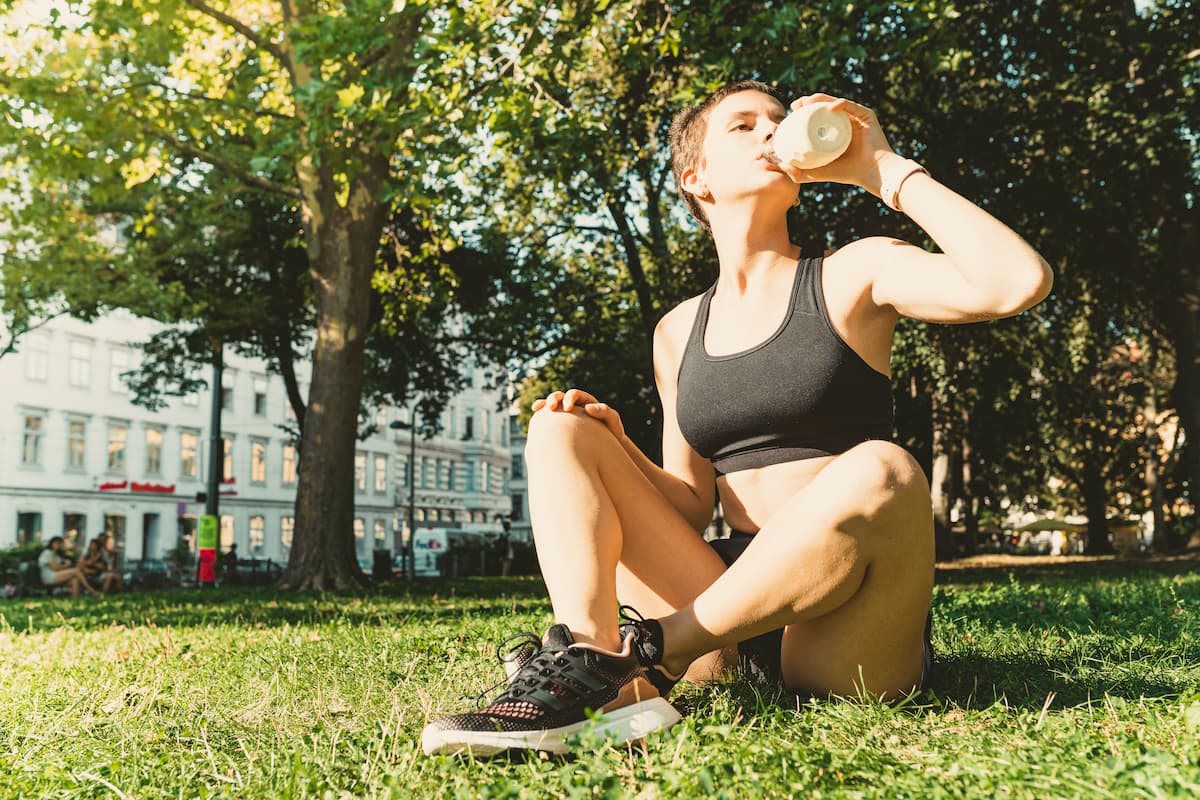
x=759, y=656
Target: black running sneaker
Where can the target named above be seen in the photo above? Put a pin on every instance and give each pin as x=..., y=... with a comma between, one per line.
x=548, y=699
x=648, y=646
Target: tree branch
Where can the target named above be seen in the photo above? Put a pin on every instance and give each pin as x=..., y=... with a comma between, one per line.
x=223, y=164
x=240, y=27
x=210, y=99
x=508, y=345
x=14, y=334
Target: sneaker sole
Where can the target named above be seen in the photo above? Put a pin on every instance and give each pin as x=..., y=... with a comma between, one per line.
x=621, y=725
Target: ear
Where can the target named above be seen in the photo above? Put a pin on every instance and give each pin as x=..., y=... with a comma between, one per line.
x=694, y=184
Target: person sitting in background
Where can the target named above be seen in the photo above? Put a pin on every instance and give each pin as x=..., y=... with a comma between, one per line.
x=57, y=570
x=98, y=566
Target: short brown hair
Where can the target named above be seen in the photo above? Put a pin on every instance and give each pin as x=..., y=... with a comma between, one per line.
x=689, y=128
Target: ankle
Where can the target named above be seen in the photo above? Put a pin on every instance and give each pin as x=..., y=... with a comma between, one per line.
x=597, y=637
x=674, y=659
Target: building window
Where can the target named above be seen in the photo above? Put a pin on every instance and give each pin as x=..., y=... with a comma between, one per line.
x=29, y=527
x=433, y=515
x=288, y=411
x=154, y=440
x=484, y=475
x=118, y=363
x=380, y=473
x=518, y=507
x=258, y=531
x=227, y=468
x=31, y=441
x=116, y=447
x=227, y=380
x=518, y=467
x=469, y=426
x=470, y=467
x=76, y=444
x=360, y=471
x=287, y=529
x=79, y=364
x=437, y=473
x=188, y=468
x=503, y=434
x=503, y=488
x=226, y=531
x=419, y=515
x=450, y=475
x=258, y=462
x=360, y=530
x=37, y=355
x=289, y=464
x=74, y=526
x=260, y=396
x=380, y=530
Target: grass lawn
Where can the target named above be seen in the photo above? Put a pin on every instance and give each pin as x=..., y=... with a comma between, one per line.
x=1074, y=681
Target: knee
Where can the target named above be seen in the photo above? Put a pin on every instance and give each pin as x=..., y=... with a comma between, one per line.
x=893, y=472
x=553, y=432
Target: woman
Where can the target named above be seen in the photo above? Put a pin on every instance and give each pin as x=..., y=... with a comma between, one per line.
x=95, y=563
x=57, y=570
x=775, y=382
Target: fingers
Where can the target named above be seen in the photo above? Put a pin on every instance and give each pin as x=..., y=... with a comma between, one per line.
x=859, y=112
x=576, y=397
x=564, y=401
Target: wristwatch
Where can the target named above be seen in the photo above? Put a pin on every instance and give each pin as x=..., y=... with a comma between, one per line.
x=889, y=191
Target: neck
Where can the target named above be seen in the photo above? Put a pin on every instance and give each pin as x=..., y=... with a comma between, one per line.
x=749, y=247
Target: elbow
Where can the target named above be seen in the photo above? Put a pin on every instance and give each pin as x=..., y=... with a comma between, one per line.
x=1043, y=282
x=1034, y=286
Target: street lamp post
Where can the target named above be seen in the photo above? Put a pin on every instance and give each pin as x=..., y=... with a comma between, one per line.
x=411, y=571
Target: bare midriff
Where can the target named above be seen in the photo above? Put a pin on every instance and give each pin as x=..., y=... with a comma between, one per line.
x=750, y=497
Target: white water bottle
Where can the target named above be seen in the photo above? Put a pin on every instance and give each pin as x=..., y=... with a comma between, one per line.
x=810, y=137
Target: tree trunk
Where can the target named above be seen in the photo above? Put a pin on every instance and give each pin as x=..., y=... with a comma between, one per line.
x=939, y=484
x=1096, y=503
x=970, y=517
x=1162, y=536
x=343, y=244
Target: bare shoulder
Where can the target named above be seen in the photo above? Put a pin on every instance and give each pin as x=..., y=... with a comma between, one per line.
x=675, y=326
x=853, y=268
x=867, y=254
x=670, y=339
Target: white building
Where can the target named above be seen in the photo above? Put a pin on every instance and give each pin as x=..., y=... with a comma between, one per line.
x=519, y=489
x=77, y=457
x=463, y=473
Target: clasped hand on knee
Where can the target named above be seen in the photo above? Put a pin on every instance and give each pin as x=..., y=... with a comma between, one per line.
x=580, y=402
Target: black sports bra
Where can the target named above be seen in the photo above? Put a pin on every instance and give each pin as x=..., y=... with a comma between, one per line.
x=800, y=394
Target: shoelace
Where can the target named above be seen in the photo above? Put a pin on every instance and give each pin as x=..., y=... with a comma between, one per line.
x=642, y=643
x=514, y=653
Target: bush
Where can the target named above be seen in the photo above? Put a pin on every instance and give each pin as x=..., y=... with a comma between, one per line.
x=15, y=556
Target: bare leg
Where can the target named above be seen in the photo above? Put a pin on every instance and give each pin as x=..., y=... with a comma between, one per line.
x=591, y=507
x=846, y=564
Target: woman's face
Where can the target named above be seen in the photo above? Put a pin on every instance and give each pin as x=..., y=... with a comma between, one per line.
x=733, y=167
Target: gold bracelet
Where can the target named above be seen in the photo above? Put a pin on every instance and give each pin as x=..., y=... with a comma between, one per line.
x=889, y=191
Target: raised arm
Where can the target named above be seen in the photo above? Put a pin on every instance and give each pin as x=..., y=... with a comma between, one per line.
x=985, y=270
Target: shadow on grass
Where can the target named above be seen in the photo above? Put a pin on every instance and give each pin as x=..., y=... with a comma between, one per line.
x=392, y=604
x=1034, y=569
x=977, y=682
